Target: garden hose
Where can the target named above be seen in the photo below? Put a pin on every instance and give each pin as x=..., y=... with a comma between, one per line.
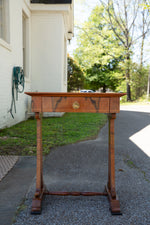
x=17, y=86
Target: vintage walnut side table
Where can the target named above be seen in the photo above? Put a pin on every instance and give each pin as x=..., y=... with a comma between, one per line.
x=76, y=102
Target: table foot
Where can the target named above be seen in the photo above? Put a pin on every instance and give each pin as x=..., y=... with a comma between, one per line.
x=37, y=202
x=114, y=203
x=36, y=206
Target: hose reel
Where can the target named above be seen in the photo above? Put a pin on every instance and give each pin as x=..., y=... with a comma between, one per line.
x=17, y=86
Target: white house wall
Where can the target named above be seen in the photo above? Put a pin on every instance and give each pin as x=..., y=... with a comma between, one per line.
x=10, y=56
x=48, y=52
x=46, y=55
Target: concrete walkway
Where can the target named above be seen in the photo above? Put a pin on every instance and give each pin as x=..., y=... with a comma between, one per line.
x=14, y=186
x=83, y=167
x=6, y=164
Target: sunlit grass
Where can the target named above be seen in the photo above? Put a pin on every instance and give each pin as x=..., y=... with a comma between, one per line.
x=72, y=127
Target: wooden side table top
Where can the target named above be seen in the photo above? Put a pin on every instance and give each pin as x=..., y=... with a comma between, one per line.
x=75, y=102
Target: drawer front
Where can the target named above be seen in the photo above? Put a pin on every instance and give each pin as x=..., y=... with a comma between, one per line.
x=75, y=104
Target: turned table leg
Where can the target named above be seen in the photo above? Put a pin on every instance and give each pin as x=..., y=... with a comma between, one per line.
x=111, y=190
x=37, y=200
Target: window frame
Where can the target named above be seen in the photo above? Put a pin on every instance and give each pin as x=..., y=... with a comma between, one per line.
x=5, y=23
x=25, y=44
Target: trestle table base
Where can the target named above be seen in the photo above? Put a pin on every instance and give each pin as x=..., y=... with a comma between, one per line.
x=76, y=102
x=114, y=202
x=110, y=188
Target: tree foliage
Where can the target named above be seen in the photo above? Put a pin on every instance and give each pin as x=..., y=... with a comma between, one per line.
x=104, y=76
x=129, y=16
x=75, y=75
x=99, y=51
x=139, y=78
x=138, y=81
x=111, y=34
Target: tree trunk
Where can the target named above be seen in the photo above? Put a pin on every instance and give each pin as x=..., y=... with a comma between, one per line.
x=143, y=38
x=148, y=85
x=128, y=77
x=104, y=89
x=142, y=48
x=128, y=92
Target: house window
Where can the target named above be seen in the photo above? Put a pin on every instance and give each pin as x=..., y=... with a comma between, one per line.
x=4, y=20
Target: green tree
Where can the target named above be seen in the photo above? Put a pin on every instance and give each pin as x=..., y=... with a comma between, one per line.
x=138, y=81
x=139, y=76
x=75, y=75
x=146, y=5
x=99, y=51
x=106, y=76
x=133, y=22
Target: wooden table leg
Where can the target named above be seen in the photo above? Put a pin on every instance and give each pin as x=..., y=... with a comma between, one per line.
x=111, y=190
x=37, y=200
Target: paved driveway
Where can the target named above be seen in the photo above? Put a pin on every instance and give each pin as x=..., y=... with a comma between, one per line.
x=83, y=167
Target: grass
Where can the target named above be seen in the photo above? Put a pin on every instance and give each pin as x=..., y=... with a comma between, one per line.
x=140, y=101
x=136, y=103
x=71, y=128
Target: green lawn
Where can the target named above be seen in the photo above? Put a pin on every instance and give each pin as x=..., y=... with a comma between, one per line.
x=72, y=127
